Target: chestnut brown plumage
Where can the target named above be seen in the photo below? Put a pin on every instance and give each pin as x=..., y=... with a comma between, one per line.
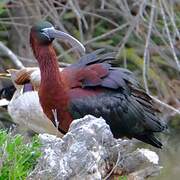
x=92, y=86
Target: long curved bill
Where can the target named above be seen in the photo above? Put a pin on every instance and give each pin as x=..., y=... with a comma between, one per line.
x=53, y=33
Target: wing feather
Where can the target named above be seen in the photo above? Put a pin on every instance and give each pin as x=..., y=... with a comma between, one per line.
x=114, y=94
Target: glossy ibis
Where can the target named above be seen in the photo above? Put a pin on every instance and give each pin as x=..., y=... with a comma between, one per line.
x=92, y=86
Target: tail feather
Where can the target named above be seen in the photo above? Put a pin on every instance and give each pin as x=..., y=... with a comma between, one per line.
x=150, y=139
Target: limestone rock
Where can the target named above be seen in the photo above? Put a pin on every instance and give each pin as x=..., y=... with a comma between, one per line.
x=89, y=152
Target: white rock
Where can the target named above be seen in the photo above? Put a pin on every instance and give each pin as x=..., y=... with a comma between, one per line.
x=88, y=151
x=151, y=155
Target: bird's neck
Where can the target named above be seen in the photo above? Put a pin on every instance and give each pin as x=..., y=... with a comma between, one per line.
x=50, y=74
x=52, y=91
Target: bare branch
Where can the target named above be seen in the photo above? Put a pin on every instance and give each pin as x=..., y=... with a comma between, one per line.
x=169, y=36
x=106, y=34
x=115, y=166
x=11, y=55
x=133, y=23
x=171, y=16
x=166, y=105
x=146, y=50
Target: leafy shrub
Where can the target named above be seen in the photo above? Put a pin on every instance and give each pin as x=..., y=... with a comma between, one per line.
x=17, y=159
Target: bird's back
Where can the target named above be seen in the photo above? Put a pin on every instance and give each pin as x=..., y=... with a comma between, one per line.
x=97, y=88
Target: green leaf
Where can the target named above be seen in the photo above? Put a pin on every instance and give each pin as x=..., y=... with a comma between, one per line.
x=19, y=158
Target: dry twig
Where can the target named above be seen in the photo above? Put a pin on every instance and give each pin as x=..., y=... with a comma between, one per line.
x=146, y=50
x=11, y=55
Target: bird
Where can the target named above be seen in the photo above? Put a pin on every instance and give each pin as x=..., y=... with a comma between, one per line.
x=17, y=77
x=23, y=101
x=26, y=75
x=92, y=86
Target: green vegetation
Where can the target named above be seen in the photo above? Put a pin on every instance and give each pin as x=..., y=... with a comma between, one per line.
x=122, y=178
x=17, y=159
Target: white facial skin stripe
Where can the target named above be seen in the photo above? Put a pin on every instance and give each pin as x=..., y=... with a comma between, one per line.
x=45, y=31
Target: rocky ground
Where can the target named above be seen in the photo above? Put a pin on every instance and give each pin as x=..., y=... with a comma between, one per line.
x=89, y=151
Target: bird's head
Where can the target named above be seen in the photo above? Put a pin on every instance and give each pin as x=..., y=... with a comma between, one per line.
x=43, y=33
